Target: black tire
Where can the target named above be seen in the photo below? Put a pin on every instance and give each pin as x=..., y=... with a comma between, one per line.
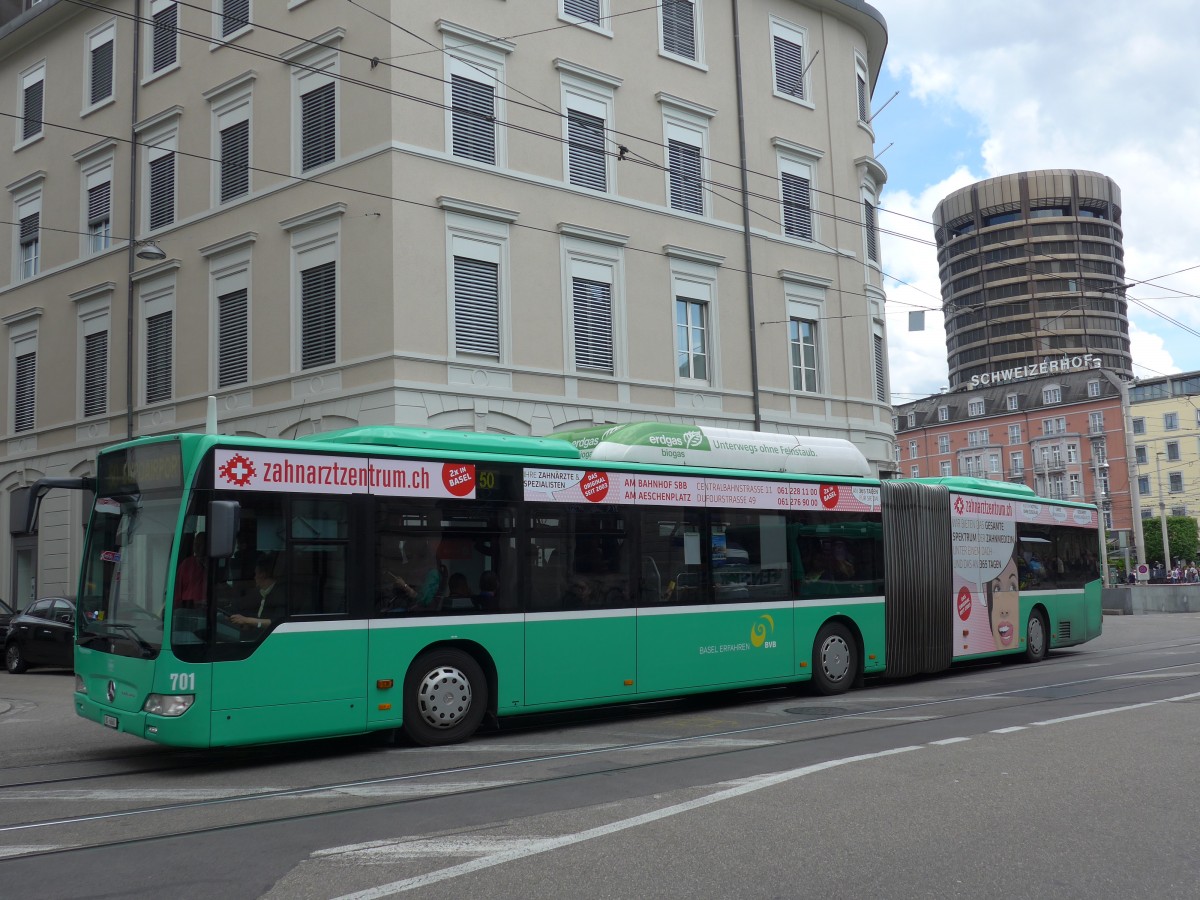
x=445, y=698
x=835, y=659
x=13, y=660
x=1037, y=637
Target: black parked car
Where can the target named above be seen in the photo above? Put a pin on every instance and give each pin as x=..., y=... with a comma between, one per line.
x=43, y=635
x=6, y=614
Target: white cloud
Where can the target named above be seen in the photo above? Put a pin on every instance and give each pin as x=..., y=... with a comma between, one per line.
x=1109, y=88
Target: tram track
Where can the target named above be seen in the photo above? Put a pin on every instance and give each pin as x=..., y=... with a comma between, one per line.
x=345, y=790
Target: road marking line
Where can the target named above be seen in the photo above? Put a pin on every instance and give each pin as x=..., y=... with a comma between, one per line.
x=21, y=850
x=543, y=846
x=1098, y=712
x=945, y=741
x=1008, y=730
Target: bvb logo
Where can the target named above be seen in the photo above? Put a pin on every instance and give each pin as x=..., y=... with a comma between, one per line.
x=759, y=631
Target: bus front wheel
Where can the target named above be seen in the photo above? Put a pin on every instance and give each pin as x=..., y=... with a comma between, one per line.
x=1037, y=637
x=835, y=659
x=445, y=697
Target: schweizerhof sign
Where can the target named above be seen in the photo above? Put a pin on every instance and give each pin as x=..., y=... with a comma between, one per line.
x=1045, y=367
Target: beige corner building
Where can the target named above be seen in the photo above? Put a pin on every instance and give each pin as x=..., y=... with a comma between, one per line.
x=509, y=217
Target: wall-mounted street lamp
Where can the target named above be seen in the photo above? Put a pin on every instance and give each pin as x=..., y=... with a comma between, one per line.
x=149, y=250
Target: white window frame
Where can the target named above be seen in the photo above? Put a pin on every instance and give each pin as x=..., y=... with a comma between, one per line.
x=486, y=240
x=1052, y=394
x=219, y=24
x=943, y=414
x=943, y=443
x=27, y=201
x=946, y=468
x=696, y=282
x=1095, y=423
x=316, y=242
x=149, y=73
x=28, y=78
x=602, y=26
x=231, y=104
x=229, y=272
x=1093, y=388
x=23, y=329
x=794, y=34
x=1014, y=434
x=475, y=56
x=697, y=31
x=1016, y=462
x=313, y=67
x=159, y=137
x=592, y=93
x=793, y=159
x=914, y=471
x=862, y=92
x=96, y=38
x=94, y=316
x=912, y=449
x=693, y=131
x=93, y=175
x=975, y=408
x=597, y=262
x=806, y=301
x=157, y=295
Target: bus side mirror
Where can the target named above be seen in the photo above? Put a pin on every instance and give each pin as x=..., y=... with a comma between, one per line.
x=224, y=521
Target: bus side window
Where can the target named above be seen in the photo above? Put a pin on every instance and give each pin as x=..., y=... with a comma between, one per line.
x=672, y=566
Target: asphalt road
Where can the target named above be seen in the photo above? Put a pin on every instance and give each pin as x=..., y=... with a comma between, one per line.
x=1077, y=777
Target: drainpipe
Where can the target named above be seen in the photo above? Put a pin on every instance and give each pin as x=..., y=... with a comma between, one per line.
x=131, y=259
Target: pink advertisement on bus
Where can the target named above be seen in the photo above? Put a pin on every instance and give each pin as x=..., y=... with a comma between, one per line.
x=310, y=473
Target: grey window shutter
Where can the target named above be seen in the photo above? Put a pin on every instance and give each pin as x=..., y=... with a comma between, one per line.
x=31, y=126
x=233, y=338
x=235, y=161
x=95, y=374
x=679, y=28
x=862, y=98
x=687, y=185
x=25, y=392
x=318, y=124
x=234, y=15
x=101, y=87
x=592, y=308
x=473, y=119
x=880, y=383
x=159, y=353
x=583, y=9
x=797, y=206
x=789, y=68
x=165, y=43
x=872, y=233
x=29, y=229
x=476, y=306
x=318, y=315
x=585, y=153
x=162, y=191
x=99, y=203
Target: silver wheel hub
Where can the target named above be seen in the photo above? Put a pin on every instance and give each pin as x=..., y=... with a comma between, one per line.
x=1035, y=635
x=444, y=697
x=835, y=658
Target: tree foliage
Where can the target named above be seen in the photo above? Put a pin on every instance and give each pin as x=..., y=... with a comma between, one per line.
x=1181, y=531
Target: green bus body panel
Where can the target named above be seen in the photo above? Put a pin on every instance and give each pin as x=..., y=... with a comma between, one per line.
x=580, y=659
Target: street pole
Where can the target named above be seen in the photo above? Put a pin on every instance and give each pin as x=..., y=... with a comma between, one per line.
x=1162, y=513
x=1096, y=485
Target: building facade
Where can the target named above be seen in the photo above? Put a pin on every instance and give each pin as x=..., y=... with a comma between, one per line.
x=363, y=221
x=1031, y=266
x=1165, y=416
x=1061, y=433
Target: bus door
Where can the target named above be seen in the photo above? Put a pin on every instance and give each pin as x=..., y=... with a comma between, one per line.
x=289, y=661
x=714, y=606
x=580, y=625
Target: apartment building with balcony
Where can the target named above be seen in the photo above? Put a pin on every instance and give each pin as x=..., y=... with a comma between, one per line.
x=1165, y=419
x=510, y=217
x=1062, y=433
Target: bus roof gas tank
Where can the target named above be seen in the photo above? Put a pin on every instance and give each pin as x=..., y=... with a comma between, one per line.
x=726, y=448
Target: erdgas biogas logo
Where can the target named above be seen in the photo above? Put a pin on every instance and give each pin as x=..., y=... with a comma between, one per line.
x=761, y=630
x=688, y=440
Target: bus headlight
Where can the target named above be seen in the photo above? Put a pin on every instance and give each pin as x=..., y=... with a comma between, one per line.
x=168, y=704
x=80, y=685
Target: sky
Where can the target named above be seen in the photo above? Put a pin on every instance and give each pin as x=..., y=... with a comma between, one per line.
x=989, y=88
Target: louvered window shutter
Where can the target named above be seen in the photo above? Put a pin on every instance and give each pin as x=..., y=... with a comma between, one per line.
x=234, y=15
x=872, y=234
x=789, y=68
x=165, y=42
x=95, y=374
x=25, y=392
x=318, y=315
x=862, y=98
x=592, y=308
x=679, y=28
x=585, y=137
x=233, y=333
x=474, y=110
x=235, y=160
x=880, y=385
x=797, y=209
x=583, y=9
x=687, y=186
x=318, y=122
x=159, y=352
x=29, y=229
x=99, y=204
x=32, y=124
x=162, y=190
x=476, y=306
x=102, y=72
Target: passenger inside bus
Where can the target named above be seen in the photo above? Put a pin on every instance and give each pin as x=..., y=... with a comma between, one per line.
x=458, y=593
x=420, y=589
x=191, y=582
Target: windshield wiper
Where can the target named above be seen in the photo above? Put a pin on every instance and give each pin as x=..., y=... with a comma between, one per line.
x=148, y=650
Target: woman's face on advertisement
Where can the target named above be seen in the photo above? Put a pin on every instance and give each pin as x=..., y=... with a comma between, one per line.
x=1004, y=606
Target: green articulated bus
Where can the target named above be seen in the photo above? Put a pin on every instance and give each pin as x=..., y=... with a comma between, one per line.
x=239, y=590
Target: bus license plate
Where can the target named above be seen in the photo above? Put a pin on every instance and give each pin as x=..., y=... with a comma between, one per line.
x=110, y=721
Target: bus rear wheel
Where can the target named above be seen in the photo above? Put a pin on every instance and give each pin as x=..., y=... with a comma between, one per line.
x=445, y=698
x=835, y=659
x=1037, y=637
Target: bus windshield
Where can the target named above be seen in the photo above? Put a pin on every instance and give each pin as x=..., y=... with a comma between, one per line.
x=125, y=567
